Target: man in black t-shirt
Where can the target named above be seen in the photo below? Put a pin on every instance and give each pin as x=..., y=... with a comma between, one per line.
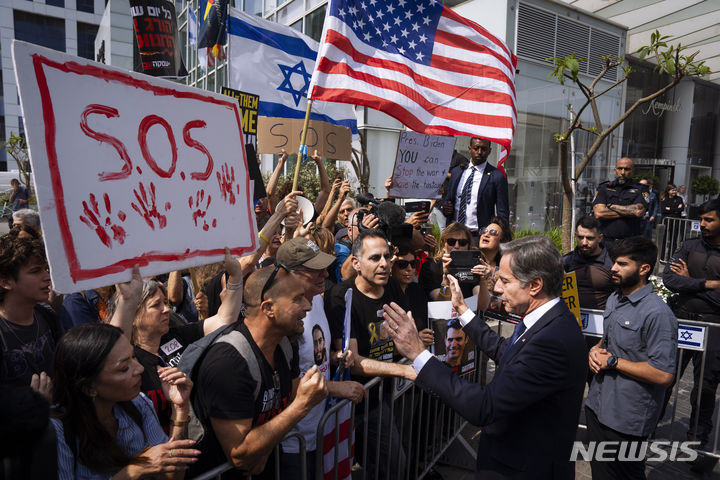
x=240, y=426
x=29, y=331
x=370, y=343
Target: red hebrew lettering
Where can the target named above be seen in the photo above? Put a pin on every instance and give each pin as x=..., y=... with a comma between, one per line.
x=109, y=112
x=145, y=125
x=147, y=206
x=101, y=221
x=192, y=143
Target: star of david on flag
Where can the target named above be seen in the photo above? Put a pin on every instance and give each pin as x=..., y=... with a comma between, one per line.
x=422, y=63
x=276, y=62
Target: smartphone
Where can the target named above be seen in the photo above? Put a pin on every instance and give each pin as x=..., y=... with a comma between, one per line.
x=462, y=263
x=421, y=206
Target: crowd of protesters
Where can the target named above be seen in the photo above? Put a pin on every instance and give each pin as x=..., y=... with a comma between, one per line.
x=97, y=384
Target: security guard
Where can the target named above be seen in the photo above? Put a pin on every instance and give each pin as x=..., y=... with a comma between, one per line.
x=621, y=204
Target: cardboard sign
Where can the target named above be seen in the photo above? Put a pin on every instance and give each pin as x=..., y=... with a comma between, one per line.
x=331, y=141
x=570, y=295
x=130, y=169
x=421, y=165
x=248, y=104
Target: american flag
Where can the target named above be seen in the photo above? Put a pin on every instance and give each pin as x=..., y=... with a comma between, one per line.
x=420, y=62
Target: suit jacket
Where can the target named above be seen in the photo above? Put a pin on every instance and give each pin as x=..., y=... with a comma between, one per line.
x=492, y=194
x=530, y=410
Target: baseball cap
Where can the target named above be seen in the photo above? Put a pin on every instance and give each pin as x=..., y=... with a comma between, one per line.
x=302, y=251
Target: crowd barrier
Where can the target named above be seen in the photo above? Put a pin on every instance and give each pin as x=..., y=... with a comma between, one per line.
x=671, y=234
x=400, y=432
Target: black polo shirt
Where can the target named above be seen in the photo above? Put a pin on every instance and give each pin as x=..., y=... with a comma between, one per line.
x=612, y=193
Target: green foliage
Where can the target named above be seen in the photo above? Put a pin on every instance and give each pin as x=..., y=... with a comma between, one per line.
x=308, y=178
x=554, y=234
x=16, y=147
x=705, y=185
x=670, y=59
x=565, y=67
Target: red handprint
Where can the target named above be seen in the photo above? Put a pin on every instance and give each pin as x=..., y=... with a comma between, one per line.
x=147, y=207
x=200, y=210
x=94, y=219
x=226, y=179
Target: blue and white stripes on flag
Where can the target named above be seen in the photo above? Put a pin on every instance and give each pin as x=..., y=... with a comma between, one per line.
x=276, y=62
x=192, y=28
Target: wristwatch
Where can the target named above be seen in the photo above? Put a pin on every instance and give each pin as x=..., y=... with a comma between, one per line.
x=612, y=362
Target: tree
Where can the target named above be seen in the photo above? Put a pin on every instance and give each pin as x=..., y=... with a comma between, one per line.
x=16, y=147
x=670, y=60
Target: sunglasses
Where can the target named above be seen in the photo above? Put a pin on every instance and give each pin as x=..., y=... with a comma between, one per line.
x=271, y=279
x=403, y=264
x=462, y=242
x=490, y=231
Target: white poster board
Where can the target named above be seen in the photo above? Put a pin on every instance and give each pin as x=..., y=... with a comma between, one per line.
x=421, y=165
x=130, y=169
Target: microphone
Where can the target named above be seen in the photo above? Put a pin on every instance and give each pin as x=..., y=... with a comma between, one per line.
x=367, y=199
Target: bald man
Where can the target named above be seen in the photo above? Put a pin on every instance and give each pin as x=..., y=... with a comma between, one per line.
x=621, y=204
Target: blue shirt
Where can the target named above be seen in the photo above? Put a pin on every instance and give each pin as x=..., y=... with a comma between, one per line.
x=342, y=252
x=129, y=436
x=638, y=328
x=22, y=194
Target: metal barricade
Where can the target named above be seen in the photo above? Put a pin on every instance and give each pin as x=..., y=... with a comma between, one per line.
x=671, y=235
x=403, y=430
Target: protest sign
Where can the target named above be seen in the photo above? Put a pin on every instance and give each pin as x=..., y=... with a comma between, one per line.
x=248, y=104
x=130, y=169
x=155, y=26
x=570, y=295
x=452, y=345
x=331, y=141
x=421, y=165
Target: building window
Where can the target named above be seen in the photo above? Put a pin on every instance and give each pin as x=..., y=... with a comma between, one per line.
x=85, y=6
x=40, y=30
x=86, y=40
x=56, y=3
x=314, y=23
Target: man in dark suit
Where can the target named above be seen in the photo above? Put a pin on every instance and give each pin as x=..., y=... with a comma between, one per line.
x=529, y=411
x=476, y=192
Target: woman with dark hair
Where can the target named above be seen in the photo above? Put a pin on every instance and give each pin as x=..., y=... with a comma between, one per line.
x=498, y=231
x=671, y=204
x=143, y=314
x=403, y=270
x=105, y=427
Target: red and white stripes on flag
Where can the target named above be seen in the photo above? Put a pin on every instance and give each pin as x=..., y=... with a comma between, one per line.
x=372, y=55
x=345, y=446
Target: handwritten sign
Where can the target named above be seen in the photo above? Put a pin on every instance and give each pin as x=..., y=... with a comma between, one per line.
x=570, y=295
x=130, y=169
x=331, y=141
x=248, y=104
x=421, y=165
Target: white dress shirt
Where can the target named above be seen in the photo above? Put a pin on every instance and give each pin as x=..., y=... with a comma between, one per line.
x=529, y=320
x=471, y=211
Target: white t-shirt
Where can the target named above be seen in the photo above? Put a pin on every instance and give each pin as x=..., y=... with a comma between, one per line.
x=317, y=331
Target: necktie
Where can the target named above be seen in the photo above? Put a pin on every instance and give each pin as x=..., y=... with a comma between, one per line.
x=519, y=330
x=465, y=197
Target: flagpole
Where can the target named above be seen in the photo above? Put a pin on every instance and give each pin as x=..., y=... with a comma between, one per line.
x=302, y=151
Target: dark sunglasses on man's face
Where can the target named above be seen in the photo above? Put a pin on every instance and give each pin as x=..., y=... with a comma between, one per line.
x=271, y=279
x=490, y=231
x=403, y=264
x=462, y=242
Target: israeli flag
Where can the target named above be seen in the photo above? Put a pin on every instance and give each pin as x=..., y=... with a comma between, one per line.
x=276, y=62
x=192, y=28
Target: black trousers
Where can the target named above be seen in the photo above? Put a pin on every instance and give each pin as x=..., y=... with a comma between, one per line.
x=612, y=470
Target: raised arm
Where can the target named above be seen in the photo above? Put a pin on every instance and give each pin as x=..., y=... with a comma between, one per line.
x=328, y=203
x=231, y=296
x=175, y=288
x=324, y=182
x=128, y=299
x=331, y=216
x=272, y=183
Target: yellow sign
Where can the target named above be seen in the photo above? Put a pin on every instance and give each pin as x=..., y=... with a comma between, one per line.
x=570, y=295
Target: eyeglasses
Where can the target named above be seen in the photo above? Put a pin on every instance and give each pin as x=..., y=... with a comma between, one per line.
x=490, y=231
x=271, y=279
x=403, y=264
x=462, y=242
